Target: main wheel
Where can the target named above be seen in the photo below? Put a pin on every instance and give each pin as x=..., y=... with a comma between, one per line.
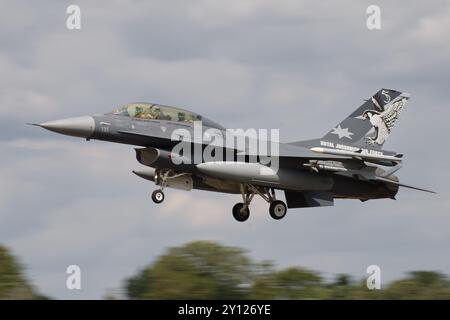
x=277, y=209
x=158, y=196
x=240, y=213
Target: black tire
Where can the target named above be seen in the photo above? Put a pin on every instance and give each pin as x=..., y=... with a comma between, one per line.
x=278, y=209
x=239, y=213
x=158, y=196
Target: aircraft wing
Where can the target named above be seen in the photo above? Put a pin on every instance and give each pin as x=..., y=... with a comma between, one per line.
x=285, y=150
x=290, y=151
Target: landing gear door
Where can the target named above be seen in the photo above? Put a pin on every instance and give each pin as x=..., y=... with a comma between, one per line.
x=183, y=182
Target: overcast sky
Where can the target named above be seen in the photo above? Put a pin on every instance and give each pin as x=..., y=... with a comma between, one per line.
x=301, y=66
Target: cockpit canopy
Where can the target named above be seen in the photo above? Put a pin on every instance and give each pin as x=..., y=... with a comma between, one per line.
x=150, y=111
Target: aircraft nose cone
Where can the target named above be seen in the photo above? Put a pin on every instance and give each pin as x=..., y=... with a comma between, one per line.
x=78, y=127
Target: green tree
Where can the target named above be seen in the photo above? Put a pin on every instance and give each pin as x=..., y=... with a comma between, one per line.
x=341, y=288
x=13, y=284
x=419, y=285
x=207, y=270
x=198, y=270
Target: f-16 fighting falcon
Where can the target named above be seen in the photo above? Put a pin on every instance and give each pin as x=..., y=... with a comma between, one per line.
x=177, y=150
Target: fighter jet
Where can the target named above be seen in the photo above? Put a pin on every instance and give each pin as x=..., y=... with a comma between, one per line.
x=348, y=162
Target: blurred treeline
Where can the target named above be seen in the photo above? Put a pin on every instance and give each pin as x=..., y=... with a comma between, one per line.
x=13, y=284
x=208, y=270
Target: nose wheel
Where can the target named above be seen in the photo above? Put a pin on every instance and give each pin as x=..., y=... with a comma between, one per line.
x=158, y=196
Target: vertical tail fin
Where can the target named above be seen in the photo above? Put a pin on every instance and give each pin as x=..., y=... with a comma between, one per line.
x=370, y=125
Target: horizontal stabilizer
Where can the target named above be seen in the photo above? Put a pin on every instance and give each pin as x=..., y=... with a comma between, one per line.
x=393, y=170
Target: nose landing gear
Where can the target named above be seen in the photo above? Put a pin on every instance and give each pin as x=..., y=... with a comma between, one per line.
x=161, y=179
x=241, y=211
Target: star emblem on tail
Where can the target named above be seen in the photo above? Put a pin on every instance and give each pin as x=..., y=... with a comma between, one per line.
x=342, y=132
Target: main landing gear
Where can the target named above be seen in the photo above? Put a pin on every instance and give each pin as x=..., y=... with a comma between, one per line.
x=241, y=211
x=161, y=179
